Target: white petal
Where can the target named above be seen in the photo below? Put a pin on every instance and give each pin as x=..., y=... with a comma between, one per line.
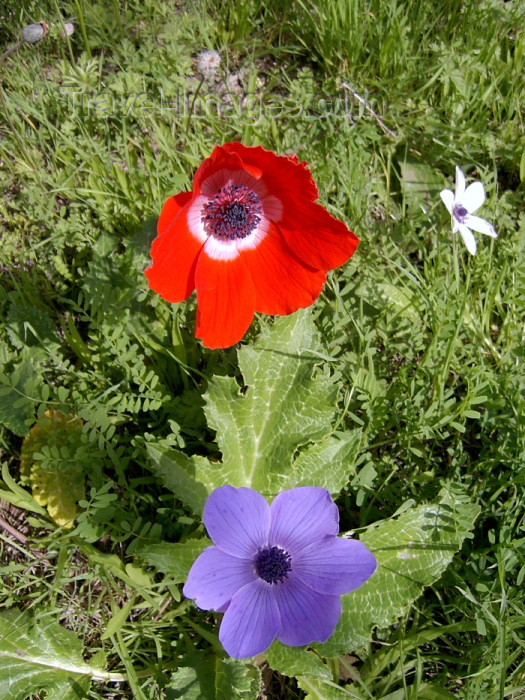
x=481, y=225
x=194, y=218
x=473, y=197
x=221, y=250
x=448, y=199
x=255, y=237
x=460, y=183
x=468, y=238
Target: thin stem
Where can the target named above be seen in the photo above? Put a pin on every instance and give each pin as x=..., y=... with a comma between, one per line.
x=11, y=50
x=188, y=116
x=80, y=17
x=370, y=110
x=12, y=531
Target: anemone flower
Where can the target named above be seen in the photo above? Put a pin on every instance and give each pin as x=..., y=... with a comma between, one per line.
x=461, y=206
x=275, y=571
x=249, y=238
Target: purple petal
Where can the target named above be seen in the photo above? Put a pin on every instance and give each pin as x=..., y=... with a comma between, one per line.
x=215, y=577
x=237, y=520
x=334, y=566
x=306, y=616
x=302, y=516
x=251, y=622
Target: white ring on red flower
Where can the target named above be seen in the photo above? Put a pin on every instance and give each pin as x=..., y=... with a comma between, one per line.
x=215, y=248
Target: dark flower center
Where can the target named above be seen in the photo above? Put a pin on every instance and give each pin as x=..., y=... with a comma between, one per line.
x=460, y=213
x=232, y=213
x=273, y=564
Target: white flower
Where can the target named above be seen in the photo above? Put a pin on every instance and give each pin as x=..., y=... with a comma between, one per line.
x=67, y=30
x=208, y=63
x=461, y=207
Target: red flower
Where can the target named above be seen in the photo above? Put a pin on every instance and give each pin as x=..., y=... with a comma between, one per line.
x=249, y=237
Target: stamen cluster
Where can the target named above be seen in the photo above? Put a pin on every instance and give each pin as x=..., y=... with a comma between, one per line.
x=460, y=213
x=232, y=213
x=273, y=564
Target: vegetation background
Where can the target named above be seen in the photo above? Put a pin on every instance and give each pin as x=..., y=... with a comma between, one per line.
x=425, y=343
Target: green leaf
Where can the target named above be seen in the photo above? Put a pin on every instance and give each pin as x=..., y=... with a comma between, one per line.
x=112, y=563
x=296, y=661
x=274, y=432
x=211, y=678
x=175, y=560
x=17, y=407
x=328, y=464
x=389, y=654
x=69, y=690
x=420, y=183
x=141, y=578
x=37, y=654
x=412, y=552
x=181, y=474
x=317, y=689
x=27, y=325
x=17, y=495
x=282, y=408
x=118, y=619
x=400, y=300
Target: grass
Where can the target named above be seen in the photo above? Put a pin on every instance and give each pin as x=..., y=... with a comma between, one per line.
x=425, y=341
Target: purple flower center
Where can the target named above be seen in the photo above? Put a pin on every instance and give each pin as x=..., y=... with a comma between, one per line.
x=273, y=564
x=232, y=213
x=460, y=213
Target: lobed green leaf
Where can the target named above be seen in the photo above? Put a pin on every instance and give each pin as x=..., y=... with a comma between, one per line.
x=213, y=678
x=38, y=654
x=274, y=432
x=412, y=552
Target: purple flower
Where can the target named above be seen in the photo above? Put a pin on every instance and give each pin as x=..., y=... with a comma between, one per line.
x=275, y=571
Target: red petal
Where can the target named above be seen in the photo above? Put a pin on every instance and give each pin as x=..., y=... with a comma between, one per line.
x=316, y=237
x=171, y=210
x=284, y=176
x=225, y=300
x=282, y=282
x=220, y=159
x=174, y=253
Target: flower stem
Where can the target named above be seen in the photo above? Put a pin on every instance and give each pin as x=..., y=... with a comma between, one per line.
x=82, y=24
x=190, y=111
